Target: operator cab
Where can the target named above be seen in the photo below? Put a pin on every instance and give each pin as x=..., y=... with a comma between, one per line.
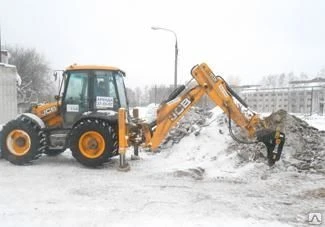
x=91, y=90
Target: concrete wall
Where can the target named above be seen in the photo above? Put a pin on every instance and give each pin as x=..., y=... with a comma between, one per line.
x=8, y=93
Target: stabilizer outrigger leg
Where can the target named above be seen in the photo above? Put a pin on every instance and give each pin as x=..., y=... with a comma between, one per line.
x=135, y=155
x=123, y=165
x=274, y=141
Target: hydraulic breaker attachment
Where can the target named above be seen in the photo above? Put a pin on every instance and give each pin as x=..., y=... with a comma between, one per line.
x=274, y=141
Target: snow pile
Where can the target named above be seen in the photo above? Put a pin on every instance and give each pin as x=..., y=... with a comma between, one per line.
x=148, y=113
x=200, y=149
x=208, y=150
x=316, y=121
x=304, y=148
x=305, y=144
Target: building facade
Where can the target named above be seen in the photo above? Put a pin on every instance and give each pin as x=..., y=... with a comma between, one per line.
x=306, y=97
x=8, y=92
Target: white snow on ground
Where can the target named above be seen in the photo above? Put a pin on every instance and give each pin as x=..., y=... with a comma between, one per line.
x=193, y=183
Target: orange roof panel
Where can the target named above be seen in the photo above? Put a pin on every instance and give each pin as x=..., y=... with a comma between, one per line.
x=91, y=67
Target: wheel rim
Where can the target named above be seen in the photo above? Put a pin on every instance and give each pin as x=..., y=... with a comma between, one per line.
x=92, y=144
x=18, y=142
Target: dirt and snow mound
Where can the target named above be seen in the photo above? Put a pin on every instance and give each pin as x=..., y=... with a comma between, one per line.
x=191, y=123
x=305, y=143
x=208, y=143
x=304, y=148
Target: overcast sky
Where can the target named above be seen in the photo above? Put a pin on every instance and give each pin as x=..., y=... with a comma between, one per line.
x=248, y=39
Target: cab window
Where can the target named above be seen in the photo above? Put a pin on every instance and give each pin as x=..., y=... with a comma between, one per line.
x=105, y=90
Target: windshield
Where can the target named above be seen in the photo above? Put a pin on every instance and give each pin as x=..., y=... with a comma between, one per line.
x=109, y=90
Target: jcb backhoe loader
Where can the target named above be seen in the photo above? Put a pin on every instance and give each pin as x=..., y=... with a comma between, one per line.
x=92, y=118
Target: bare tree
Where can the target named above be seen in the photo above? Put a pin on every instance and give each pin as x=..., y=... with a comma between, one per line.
x=131, y=97
x=269, y=81
x=233, y=80
x=321, y=73
x=281, y=80
x=34, y=72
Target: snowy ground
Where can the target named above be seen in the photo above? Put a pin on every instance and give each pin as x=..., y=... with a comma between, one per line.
x=194, y=183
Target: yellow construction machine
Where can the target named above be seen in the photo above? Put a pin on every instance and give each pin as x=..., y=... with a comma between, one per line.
x=93, y=120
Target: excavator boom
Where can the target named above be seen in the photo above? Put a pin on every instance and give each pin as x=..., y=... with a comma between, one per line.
x=182, y=99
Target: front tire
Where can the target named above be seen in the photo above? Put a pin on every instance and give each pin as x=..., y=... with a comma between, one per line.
x=93, y=142
x=22, y=141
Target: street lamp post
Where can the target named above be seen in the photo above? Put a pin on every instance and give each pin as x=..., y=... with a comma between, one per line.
x=176, y=51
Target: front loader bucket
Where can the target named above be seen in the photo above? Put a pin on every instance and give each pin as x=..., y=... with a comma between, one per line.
x=274, y=141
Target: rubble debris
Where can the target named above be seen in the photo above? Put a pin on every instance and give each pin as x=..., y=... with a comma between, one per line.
x=192, y=122
x=304, y=148
x=195, y=173
x=316, y=193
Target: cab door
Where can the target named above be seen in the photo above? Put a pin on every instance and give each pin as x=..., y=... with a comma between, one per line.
x=75, y=100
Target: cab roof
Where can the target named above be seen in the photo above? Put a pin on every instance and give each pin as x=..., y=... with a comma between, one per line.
x=90, y=67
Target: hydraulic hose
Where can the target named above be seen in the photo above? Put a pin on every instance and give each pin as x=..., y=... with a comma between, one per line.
x=232, y=134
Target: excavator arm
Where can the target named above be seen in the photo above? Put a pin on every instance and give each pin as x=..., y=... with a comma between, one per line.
x=139, y=133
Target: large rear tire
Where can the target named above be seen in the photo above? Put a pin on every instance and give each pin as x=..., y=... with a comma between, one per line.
x=22, y=141
x=93, y=142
